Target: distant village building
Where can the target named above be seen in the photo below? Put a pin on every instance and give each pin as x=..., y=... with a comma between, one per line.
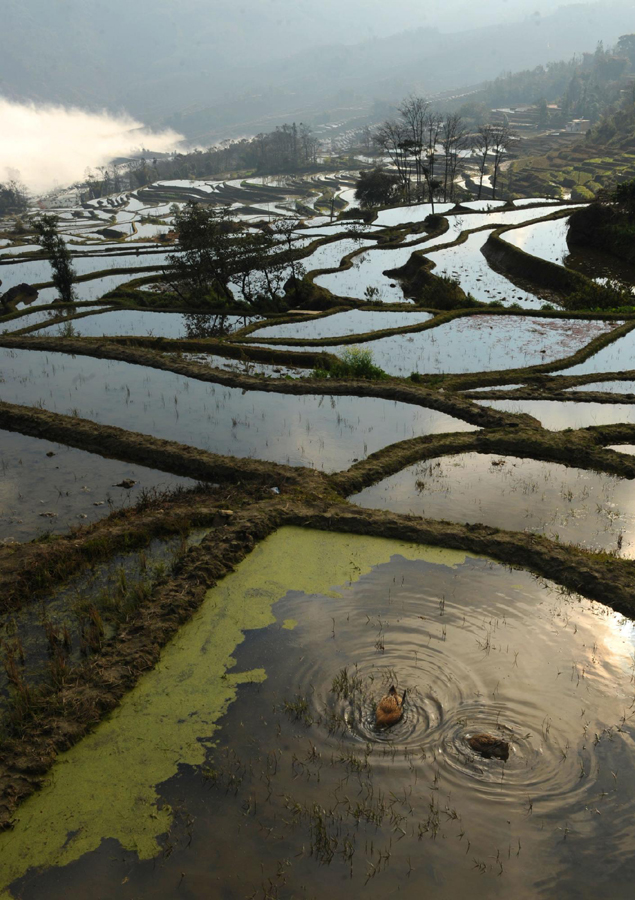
x=578, y=126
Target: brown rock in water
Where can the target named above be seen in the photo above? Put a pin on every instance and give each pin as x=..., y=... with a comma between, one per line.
x=489, y=746
x=390, y=708
x=127, y=483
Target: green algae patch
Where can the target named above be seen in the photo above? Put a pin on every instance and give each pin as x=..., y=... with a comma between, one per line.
x=106, y=786
x=289, y=624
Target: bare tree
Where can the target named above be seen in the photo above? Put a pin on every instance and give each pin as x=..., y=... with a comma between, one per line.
x=308, y=143
x=482, y=145
x=391, y=139
x=502, y=137
x=454, y=144
x=433, y=131
x=414, y=113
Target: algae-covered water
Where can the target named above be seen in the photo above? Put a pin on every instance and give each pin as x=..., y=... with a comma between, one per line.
x=247, y=763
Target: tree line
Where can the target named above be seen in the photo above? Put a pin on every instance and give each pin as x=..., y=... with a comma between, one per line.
x=584, y=86
x=288, y=148
x=13, y=198
x=426, y=148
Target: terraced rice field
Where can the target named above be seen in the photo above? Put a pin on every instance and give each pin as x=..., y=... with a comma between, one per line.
x=224, y=536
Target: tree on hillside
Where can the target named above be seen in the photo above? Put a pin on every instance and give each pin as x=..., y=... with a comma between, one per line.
x=376, y=187
x=626, y=47
x=483, y=143
x=433, y=129
x=207, y=255
x=13, y=198
x=502, y=138
x=454, y=143
x=309, y=144
x=543, y=113
x=392, y=140
x=414, y=113
x=58, y=255
x=215, y=255
x=412, y=144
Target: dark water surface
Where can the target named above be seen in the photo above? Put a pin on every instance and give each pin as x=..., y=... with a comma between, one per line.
x=299, y=795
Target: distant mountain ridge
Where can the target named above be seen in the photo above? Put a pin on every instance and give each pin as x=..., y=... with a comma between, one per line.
x=184, y=64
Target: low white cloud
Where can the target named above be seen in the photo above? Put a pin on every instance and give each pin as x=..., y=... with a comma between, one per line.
x=54, y=145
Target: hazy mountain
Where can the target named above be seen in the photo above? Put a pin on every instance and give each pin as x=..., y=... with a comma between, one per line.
x=237, y=64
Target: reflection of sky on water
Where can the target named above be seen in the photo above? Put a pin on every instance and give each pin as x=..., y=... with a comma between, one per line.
x=556, y=415
x=320, y=431
x=546, y=240
x=77, y=487
x=571, y=505
x=481, y=343
x=616, y=357
x=354, y=321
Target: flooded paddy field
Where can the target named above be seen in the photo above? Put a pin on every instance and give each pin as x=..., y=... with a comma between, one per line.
x=575, y=506
x=459, y=222
x=366, y=271
x=546, y=240
x=151, y=324
x=109, y=589
x=38, y=271
x=47, y=487
x=618, y=356
x=92, y=289
x=556, y=415
x=368, y=267
x=253, y=740
x=481, y=343
x=40, y=317
x=329, y=256
x=246, y=366
x=353, y=321
x=403, y=215
x=467, y=265
x=310, y=430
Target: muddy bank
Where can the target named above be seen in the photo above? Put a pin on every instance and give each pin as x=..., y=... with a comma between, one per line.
x=29, y=568
x=581, y=449
x=156, y=453
x=542, y=393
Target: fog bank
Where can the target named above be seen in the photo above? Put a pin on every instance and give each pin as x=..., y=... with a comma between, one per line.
x=54, y=145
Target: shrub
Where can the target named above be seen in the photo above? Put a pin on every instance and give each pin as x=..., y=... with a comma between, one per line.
x=354, y=362
x=443, y=292
x=611, y=295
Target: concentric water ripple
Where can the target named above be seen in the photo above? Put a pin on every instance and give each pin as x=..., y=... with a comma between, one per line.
x=533, y=681
x=539, y=768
